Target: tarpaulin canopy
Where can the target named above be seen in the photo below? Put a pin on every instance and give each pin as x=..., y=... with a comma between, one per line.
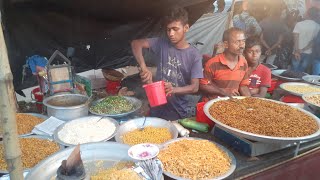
x=100, y=31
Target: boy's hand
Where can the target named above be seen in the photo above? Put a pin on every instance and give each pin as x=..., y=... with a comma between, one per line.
x=146, y=76
x=168, y=88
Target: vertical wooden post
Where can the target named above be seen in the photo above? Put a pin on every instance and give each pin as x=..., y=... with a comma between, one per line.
x=8, y=124
x=230, y=16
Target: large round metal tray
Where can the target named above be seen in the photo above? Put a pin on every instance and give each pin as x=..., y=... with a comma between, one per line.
x=150, y=121
x=33, y=114
x=58, y=140
x=231, y=156
x=312, y=79
x=136, y=104
x=31, y=136
x=277, y=73
x=310, y=104
x=282, y=86
x=257, y=137
x=107, y=152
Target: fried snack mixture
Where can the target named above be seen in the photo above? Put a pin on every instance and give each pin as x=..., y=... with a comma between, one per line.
x=315, y=99
x=301, y=89
x=118, y=172
x=26, y=123
x=195, y=159
x=33, y=151
x=264, y=117
x=149, y=134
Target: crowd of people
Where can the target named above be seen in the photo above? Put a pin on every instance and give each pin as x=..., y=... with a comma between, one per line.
x=287, y=38
x=237, y=71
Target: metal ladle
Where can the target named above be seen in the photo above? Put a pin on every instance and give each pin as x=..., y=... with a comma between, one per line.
x=144, y=121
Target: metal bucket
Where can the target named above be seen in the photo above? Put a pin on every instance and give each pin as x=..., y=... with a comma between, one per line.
x=67, y=106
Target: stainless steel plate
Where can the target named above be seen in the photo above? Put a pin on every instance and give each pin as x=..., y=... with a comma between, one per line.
x=282, y=86
x=277, y=73
x=312, y=79
x=313, y=106
x=60, y=141
x=107, y=152
x=150, y=121
x=258, y=137
x=31, y=136
x=136, y=105
x=231, y=156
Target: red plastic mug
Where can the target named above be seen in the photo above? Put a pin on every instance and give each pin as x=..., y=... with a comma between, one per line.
x=156, y=93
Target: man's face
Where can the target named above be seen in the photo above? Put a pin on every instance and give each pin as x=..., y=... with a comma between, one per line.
x=176, y=31
x=253, y=54
x=236, y=43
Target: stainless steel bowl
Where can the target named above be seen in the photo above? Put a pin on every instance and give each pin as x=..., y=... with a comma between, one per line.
x=312, y=79
x=313, y=106
x=258, y=137
x=83, y=119
x=150, y=121
x=67, y=107
x=136, y=105
x=107, y=152
x=231, y=156
x=283, y=85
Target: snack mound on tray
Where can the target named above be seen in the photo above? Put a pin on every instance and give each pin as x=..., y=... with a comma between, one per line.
x=264, y=117
x=293, y=74
x=149, y=134
x=33, y=151
x=26, y=122
x=195, y=159
x=113, y=105
x=121, y=171
x=301, y=89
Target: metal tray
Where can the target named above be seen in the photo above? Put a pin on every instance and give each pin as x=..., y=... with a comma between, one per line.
x=312, y=79
x=150, y=121
x=227, y=174
x=257, y=137
x=136, y=103
x=277, y=73
x=310, y=104
x=33, y=114
x=295, y=84
x=107, y=152
x=58, y=140
x=31, y=136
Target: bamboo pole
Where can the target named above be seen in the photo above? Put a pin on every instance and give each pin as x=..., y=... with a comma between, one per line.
x=12, y=150
x=229, y=21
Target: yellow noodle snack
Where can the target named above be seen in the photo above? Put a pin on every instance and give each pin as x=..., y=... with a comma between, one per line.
x=33, y=151
x=195, y=159
x=119, y=172
x=264, y=117
x=315, y=99
x=301, y=89
x=149, y=134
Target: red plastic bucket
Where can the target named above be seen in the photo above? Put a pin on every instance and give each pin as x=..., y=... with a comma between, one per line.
x=201, y=116
x=156, y=93
x=38, y=97
x=113, y=87
x=292, y=99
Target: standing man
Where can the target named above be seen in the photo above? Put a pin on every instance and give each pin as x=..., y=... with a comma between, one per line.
x=180, y=64
x=273, y=33
x=259, y=75
x=227, y=74
x=303, y=35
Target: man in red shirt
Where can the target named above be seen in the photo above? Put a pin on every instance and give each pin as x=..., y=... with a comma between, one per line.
x=260, y=75
x=227, y=74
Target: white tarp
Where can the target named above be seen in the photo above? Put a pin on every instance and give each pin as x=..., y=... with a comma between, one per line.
x=208, y=30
